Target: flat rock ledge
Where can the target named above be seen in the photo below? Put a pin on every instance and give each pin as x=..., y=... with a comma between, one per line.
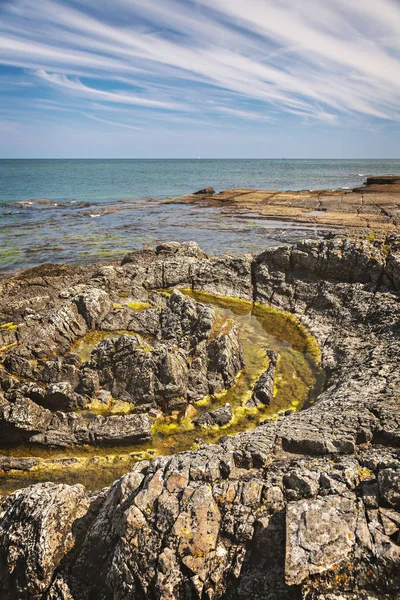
x=307, y=506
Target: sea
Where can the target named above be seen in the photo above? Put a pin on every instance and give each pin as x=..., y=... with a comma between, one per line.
x=79, y=211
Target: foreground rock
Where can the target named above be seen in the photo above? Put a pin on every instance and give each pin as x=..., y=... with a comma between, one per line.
x=306, y=506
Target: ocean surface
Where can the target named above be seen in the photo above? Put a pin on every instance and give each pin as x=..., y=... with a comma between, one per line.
x=79, y=211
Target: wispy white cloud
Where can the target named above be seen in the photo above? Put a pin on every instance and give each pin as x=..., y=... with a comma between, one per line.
x=313, y=60
x=243, y=114
x=113, y=123
x=121, y=98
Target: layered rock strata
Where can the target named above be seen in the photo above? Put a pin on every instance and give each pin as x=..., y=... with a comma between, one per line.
x=306, y=506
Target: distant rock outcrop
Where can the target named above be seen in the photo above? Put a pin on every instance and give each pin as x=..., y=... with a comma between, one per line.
x=208, y=191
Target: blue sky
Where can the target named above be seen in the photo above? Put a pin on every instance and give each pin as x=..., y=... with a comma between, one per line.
x=209, y=78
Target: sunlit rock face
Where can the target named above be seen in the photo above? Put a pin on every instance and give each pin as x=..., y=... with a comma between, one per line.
x=304, y=505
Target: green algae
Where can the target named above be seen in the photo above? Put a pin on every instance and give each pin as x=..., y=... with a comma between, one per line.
x=299, y=379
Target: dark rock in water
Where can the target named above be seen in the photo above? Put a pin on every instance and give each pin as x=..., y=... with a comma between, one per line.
x=263, y=391
x=208, y=191
x=10, y=463
x=225, y=360
x=220, y=416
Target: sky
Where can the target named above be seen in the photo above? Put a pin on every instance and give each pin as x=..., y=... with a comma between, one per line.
x=199, y=78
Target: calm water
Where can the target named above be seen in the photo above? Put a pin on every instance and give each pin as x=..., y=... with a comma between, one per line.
x=83, y=210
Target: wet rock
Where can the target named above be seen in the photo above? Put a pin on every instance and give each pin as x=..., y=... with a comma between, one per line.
x=220, y=416
x=10, y=463
x=263, y=391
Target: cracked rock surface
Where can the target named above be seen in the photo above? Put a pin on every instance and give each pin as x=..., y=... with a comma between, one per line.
x=305, y=506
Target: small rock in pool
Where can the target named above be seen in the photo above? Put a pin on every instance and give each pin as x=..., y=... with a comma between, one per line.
x=220, y=416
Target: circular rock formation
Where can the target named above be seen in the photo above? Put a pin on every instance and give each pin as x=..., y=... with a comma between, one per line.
x=306, y=505
x=180, y=357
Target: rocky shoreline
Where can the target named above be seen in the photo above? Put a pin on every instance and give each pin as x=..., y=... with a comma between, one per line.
x=374, y=206
x=303, y=506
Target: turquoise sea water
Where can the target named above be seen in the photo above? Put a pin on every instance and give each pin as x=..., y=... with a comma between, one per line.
x=83, y=210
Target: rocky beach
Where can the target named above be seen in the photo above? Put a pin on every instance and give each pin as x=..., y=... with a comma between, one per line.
x=199, y=300
x=272, y=498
